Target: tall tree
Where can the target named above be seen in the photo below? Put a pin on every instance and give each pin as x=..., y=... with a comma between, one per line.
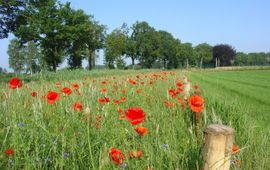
x=115, y=47
x=203, y=53
x=16, y=56
x=186, y=54
x=224, y=53
x=167, y=48
x=146, y=43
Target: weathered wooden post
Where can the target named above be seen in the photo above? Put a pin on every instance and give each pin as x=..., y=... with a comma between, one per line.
x=217, y=147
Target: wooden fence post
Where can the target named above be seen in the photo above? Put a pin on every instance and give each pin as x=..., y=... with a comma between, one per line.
x=217, y=147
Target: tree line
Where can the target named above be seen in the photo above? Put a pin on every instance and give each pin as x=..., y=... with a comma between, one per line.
x=47, y=32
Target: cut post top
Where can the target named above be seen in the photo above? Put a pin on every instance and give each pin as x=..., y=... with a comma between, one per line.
x=217, y=129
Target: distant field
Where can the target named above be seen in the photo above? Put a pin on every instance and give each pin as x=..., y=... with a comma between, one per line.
x=249, y=90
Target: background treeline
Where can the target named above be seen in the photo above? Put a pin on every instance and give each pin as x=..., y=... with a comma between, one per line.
x=48, y=32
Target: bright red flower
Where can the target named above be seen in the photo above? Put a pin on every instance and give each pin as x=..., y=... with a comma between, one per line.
x=141, y=130
x=179, y=84
x=168, y=103
x=123, y=99
x=119, y=111
x=15, y=83
x=77, y=106
x=116, y=156
x=235, y=149
x=196, y=103
x=9, y=152
x=103, y=90
x=173, y=93
x=116, y=101
x=122, y=117
x=135, y=154
x=139, y=91
x=182, y=106
x=107, y=99
x=135, y=115
x=75, y=86
x=52, y=97
x=66, y=91
x=34, y=94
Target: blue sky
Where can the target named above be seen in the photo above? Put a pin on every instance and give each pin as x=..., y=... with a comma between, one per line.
x=244, y=24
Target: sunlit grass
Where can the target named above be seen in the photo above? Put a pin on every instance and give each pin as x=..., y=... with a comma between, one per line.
x=57, y=137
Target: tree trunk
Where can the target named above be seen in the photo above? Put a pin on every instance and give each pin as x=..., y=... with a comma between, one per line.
x=94, y=59
x=164, y=64
x=201, y=63
x=90, y=60
x=187, y=62
x=54, y=66
x=133, y=63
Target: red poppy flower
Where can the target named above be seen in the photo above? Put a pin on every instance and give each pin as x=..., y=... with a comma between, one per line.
x=123, y=99
x=135, y=154
x=15, y=83
x=116, y=156
x=116, y=101
x=119, y=110
x=168, y=103
x=52, y=97
x=9, y=152
x=103, y=90
x=122, y=117
x=107, y=99
x=182, y=106
x=235, y=149
x=196, y=103
x=75, y=86
x=173, y=93
x=77, y=106
x=179, y=84
x=66, y=91
x=135, y=115
x=34, y=94
x=141, y=130
x=139, y=91
x=124, y=91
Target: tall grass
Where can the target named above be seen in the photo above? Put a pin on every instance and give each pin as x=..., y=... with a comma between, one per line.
x=55, y=136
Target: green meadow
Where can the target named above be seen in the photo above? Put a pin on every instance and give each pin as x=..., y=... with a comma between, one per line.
x=55, y=136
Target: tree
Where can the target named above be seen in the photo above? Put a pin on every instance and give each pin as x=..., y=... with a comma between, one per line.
x=32, y=56
x=204, y=53
x=167, y=48
x=10, y=16
x=94, y=38
x=16, y=56
x=224, y=53
x=146, y=43
x=115, y=47
x=186, y=54
x=46, y=25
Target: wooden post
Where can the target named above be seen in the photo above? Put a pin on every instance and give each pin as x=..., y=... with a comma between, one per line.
x=217, y=147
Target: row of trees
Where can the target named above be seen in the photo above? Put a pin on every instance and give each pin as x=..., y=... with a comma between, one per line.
x=150, y=47
x=56, y=29
x=47, y=32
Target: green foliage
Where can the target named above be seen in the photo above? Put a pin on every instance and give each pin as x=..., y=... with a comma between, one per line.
x=224, y=54
x=10, y=16
x=16, y=56
x=26, y=57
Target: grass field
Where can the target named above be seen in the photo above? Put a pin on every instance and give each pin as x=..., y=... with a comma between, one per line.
x=55, y=136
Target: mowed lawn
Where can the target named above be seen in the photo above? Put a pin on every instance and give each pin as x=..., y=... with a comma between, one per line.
x=248, y=90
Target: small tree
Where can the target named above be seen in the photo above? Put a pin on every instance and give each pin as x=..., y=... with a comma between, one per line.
x=224, y=54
